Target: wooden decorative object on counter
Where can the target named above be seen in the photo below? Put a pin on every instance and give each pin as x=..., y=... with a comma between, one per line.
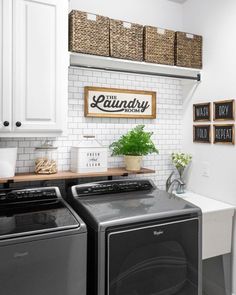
x=202, y=133
x=224, y=110
x=202, y=112
x=159, y=45
x=224, y=134
x=88, y=33
x=126, y=40
x=119, y=103
x=45, y=166
x=188, y=50
x=25, y=177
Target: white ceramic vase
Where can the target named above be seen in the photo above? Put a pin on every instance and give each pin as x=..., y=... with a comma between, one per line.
x=7, y=162
x=133, y=163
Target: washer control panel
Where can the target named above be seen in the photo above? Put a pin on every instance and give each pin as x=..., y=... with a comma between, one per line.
x=111, y=187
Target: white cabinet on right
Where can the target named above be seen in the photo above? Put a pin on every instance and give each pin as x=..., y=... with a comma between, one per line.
x=217, y=224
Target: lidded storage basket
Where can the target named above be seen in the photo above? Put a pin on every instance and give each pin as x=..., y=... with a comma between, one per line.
x=188, y=50
x=88, y=33
x=159, y=45
x=126, y=40
x=89, y=156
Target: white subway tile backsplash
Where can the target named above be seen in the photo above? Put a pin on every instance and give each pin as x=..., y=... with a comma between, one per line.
x=167, y=128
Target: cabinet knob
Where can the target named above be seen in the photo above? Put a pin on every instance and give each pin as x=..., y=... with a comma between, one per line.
x=6, y=123
x=18, y=124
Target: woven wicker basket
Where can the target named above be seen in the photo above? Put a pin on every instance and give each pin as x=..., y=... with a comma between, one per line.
x=88, y=33
x=188, y=50
x=159, y=45
x=126, y=40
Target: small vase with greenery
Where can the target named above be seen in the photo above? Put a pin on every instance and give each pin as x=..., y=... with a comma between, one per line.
x=180, y=161
x=133, y=146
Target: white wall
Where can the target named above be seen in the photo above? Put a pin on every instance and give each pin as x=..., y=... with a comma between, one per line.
x=160, y=13
x=216, y=21
x=166, y=128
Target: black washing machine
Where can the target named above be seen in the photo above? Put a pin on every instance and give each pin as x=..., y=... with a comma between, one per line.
x=141, y=240
x=43, y=244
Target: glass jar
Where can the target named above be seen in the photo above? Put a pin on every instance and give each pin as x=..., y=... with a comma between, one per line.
x=46, y=159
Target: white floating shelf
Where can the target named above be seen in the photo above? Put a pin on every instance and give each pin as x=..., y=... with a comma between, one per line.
x=127, y=66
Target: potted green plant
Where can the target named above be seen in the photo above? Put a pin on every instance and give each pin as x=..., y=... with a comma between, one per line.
x=133, y=146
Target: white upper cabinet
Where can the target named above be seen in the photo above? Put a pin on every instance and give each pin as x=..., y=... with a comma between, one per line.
x=5, y=65
x=40, y=63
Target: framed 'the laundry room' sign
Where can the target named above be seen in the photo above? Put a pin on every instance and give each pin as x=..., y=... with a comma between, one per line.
x=119, y=103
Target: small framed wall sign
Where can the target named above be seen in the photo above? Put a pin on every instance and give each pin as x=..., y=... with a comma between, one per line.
x=224, y=134
x=224, y=110
x=202, y=133
x=119, y=103
x=202, y=112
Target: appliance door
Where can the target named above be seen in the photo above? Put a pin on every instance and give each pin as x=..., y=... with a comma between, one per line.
x=55, y=266
x=159, y=259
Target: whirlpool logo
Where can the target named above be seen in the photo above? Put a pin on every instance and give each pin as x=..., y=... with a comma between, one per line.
x=20, y=254
x=158, y=233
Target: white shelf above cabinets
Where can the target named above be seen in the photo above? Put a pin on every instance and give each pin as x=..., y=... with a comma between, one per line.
x=134, y=67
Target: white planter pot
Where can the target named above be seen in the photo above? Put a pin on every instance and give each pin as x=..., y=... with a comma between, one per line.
x=133, y=163
x=7, y=162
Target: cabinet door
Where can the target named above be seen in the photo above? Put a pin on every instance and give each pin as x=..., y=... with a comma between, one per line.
x=40, y=57
x=5, y=65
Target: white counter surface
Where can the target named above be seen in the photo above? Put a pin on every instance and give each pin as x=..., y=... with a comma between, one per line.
x=206, y=204
x=217, y=224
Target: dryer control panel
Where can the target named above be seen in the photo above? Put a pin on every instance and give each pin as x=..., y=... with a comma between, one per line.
x=112, y=187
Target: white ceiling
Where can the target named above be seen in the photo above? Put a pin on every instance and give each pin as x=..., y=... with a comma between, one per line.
x=178, y=1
